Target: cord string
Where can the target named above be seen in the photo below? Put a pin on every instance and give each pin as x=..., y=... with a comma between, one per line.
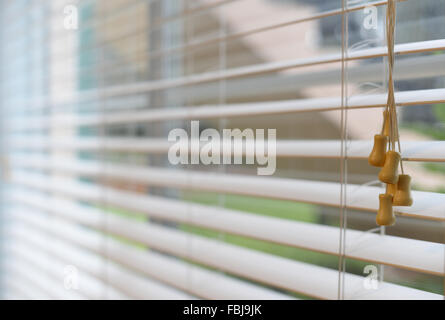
x=391, y=108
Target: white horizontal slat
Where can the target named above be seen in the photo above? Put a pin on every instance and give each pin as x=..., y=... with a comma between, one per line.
x=433, y=151
x=143, y=87
x=12, y=291
x=43, y=281
x=57, y=33
x=296, y=276
x=405, y=98
x=16, y=288
x=89, y=286
x=204, y=283
x=270, y=84
x=287, y=84
x=12, y=294
x=137, y=287
x=416, y=255
x=427, y=205
x=59, y=56
x=65, y=250
x=232, y=36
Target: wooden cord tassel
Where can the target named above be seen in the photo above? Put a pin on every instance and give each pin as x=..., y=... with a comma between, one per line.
x=384, y=154
x=389, y=173
x=386, y=124
x=385, y=215
x=402, y=196
x=391, y=189
x=378, y=153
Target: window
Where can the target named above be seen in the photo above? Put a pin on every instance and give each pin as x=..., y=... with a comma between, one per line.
x=96, y=205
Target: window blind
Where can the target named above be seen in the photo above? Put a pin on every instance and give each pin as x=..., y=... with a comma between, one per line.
x=92, y=208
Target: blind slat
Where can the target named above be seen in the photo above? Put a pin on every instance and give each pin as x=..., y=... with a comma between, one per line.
x=32, y=246
x=274, y=84
x=144, y=87
x=196, y=44
x=432, y=151
x=90, y=287
x=43, y=281
x=150, y=263
x=427, y=205
x=405, y=98
x=19, y=289
x=295, y=276
x=416, y=255
x=166, y=269
x=86, y=181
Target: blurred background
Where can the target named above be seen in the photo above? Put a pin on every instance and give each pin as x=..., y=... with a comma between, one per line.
x=89, y=92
